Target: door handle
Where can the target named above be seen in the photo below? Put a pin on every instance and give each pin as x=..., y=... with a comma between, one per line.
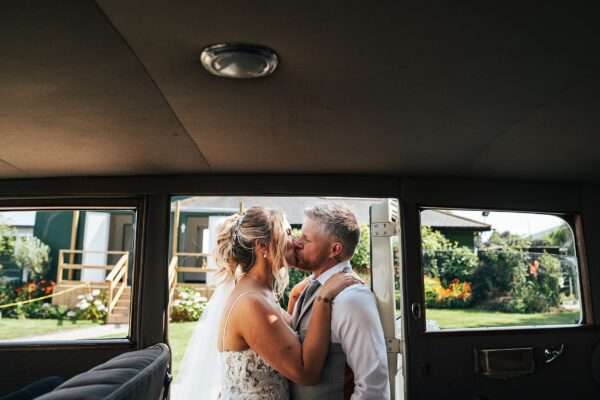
x=415, y=310
x=552, y=353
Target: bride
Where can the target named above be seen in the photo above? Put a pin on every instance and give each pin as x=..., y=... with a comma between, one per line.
x=243, y=348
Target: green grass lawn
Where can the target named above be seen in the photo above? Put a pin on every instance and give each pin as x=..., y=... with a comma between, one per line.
x=22, y=328
x=474, y=318
x=179, y=336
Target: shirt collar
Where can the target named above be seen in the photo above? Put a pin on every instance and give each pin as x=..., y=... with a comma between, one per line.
x=324, y=277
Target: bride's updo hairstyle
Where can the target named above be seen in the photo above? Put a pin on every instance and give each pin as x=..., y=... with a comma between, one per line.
x=237, y=239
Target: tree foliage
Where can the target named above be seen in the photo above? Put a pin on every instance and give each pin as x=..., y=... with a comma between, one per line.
x=362, y=254
x=445, y=259
x=31, y=253
x=504, y=281
x=507, y=240
x=7, y=239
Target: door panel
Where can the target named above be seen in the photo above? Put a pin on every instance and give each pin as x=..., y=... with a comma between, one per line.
x=444, y=364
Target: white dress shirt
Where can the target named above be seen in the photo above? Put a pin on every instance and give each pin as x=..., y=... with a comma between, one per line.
x=355, y=324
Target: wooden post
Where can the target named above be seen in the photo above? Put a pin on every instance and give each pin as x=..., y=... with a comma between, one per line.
x=60, y=267
x=175, y=229
x=74, y=226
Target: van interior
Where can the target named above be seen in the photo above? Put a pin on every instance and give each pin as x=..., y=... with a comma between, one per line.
x=464, y=135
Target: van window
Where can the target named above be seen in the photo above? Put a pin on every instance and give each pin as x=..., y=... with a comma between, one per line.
x=66, y=274
x=487, y=269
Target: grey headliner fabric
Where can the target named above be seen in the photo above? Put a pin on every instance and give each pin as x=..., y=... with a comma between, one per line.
x=134, y=375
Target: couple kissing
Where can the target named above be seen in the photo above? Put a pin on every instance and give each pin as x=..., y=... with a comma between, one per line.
x=328, y=344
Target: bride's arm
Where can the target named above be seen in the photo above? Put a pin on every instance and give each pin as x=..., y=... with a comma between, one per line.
x=295, y=294
x=269, y=335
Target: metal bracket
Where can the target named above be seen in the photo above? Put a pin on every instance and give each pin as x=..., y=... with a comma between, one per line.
x=383, y=229
x=394, y=345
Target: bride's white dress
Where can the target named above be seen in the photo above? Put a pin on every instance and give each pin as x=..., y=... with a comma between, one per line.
x=206, y=373
x=247, y=376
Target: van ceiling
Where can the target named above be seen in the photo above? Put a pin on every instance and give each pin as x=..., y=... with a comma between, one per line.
x=467, y=89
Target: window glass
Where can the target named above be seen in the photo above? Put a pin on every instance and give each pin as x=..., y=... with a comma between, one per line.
x=486, y=269
x=66, y=274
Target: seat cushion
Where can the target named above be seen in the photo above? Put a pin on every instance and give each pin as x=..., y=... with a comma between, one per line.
x=133, y=375
x=35, y=389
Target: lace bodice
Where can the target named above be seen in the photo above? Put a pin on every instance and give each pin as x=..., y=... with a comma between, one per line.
x=247, y=376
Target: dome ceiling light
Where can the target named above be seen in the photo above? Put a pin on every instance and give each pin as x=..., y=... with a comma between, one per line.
x=239, y=60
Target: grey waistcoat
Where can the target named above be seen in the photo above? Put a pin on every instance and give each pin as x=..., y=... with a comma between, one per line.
x=331, y=385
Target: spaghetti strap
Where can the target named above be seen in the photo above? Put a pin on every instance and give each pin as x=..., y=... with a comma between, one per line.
x=229, y=313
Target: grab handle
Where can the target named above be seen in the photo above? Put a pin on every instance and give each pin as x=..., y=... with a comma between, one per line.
x=552, y=353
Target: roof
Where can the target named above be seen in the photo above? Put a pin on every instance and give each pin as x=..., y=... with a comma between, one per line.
x=459, y=89
x=445, y=219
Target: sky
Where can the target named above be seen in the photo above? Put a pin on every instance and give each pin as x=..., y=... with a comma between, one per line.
x=519, y=223
x=25, y=218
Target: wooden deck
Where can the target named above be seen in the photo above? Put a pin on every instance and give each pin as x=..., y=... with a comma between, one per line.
x=115, y=284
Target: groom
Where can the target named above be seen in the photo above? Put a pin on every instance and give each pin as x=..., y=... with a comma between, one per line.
x=356, y=365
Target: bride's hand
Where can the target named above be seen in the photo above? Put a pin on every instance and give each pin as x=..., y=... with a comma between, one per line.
x=298, y=288
x=337, y=283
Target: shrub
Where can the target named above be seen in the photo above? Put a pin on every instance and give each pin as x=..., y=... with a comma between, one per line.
x=432, y=287
x=361, y=259
x=549, y=279
x=90, y=307
x=188, y=306
x=503, y=282
x=542, y=291
x=17, y=291
x=46, y=311
x=7, y=239
x=501, y=272
x=456, y=295
x=446, y=259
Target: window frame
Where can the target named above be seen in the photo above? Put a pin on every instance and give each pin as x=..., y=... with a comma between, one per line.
x=84, y=203
x=573, y=220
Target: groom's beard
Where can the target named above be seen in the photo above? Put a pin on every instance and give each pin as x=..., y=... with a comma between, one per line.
x=313, y=265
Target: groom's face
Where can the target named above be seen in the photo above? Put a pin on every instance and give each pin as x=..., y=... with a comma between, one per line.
x=312, y=247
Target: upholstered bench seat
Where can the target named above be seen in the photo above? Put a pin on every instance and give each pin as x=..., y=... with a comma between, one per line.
x=134, y=375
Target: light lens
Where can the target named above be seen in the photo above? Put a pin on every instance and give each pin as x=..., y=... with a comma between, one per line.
x=240, y=61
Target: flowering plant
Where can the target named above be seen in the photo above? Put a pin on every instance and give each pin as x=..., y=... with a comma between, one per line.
x=91, y=306
x=17, y=291
x=457, y=295
x=188, y=306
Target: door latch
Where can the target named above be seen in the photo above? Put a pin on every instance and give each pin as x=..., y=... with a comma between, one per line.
x=552, y=353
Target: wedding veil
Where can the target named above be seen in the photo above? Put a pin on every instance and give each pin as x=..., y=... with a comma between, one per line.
x=200, y=373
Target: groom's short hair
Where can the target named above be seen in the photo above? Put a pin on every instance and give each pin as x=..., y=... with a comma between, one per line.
x=338, y=222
